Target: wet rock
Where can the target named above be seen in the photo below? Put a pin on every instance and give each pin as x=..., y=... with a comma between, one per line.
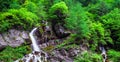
x=63, y=52
x=60, y=31
x=2, y=41
x=14, y=38
x=16, y=42
x=2, y=47
x=72, y=53
x=25, y=35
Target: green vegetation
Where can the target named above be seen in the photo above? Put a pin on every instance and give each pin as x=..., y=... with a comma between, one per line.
x=11, y=54
x=114, y=55
x=58, y=11
x=94, y=22
x=77, y=21
x=88, y=57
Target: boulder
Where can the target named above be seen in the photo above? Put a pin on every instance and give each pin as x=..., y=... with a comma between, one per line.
x=14, y=37
x=3, y=44
x=60, y=31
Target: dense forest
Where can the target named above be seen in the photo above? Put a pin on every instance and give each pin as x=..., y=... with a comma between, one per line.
x=91, y=23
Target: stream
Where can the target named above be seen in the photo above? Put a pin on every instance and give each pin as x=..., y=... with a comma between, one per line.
x=104, y=55
x=37, y=54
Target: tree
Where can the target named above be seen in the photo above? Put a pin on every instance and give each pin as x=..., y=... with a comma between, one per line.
x=58, y=11
x=111, y=22
x=77, y=21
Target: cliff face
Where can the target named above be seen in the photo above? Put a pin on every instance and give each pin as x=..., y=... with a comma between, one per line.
x=13, y=38
x=47, y=41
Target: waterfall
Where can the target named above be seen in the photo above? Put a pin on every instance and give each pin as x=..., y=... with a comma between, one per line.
x=36, y=55
x=103, y=53
x=34, y=42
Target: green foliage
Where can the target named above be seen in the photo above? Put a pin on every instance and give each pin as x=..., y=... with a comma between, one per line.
x=5, y=4
x=32, y=7
x=11, y=54
x=58, y=10
x=111, y=22
x=88, y=57
x=87, y=2
x=114, y=55
x=36, y=7
x=15, y=4
x=15, y=18
x=77, y=21
x=68, y=41
x=99, y=35
x=59, y=6
x=116, y=3
x=99, y=9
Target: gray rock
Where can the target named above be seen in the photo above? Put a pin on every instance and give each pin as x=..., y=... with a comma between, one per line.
x=14, y=38
x=3, y=44
x=25, y=35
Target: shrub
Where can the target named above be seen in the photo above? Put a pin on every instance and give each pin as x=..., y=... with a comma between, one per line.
x=114, y=55
x=111, y=22
x=11, y=54
x=58, y=11
x=87, y=2
x=5, y=4
x=77, y=21
x=100, y=8
x=36, y=7
x=16, y=18
x=32, y=7
x=99, y=35
x=88, y=57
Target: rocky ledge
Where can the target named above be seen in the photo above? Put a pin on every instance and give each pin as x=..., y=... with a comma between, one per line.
x=13, y=38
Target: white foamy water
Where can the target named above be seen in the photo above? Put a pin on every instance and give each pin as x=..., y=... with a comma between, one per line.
x=103, y=53
x=34, y=42
x=37, y=55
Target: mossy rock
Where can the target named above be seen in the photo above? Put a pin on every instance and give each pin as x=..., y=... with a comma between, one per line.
x=49, y=48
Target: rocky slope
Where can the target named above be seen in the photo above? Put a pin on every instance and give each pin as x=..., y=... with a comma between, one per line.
x=13, y=38
x=47, y=42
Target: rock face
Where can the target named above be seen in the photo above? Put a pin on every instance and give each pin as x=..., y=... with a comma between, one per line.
x=59, y=55
x=13, y=38
x=60, y=31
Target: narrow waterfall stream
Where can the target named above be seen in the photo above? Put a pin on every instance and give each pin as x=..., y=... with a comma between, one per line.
x=103, y=53
x=34, y=43
x=37, y=55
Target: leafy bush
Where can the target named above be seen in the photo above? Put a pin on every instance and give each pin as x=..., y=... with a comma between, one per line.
x=5, y=4
x=114, y=55
x=116, y=3
x=87, y=2
x=77, y=21
x=111, y=22
x=100, y=9
x=58, y=11
x=99, y=35
x=68, y=43
x=32, y=7
x=16, y=18
x=36, y=7
x=11, y=54
x=88, y=57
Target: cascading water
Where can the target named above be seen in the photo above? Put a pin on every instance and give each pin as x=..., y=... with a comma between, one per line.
x=34, y=43
x=37, y=55
x=103, y=53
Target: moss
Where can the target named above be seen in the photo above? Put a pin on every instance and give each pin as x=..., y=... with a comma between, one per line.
x=48, y=48
x=11, y=54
